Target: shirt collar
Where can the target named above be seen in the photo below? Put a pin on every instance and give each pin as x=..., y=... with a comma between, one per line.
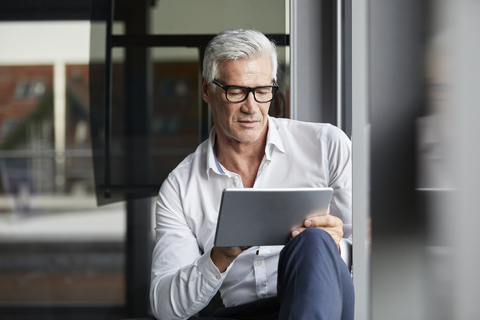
x=273, y=140
x=211, y=163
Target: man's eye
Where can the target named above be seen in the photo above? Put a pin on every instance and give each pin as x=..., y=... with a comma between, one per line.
x=235, y=91
x=265, y=91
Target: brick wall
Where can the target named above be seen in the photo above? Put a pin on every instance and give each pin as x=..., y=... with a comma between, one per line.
x=15, y=107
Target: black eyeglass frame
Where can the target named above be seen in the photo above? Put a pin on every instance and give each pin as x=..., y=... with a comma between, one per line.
x=249, y=89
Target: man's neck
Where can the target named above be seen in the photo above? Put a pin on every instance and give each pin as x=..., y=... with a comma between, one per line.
x=241, y=157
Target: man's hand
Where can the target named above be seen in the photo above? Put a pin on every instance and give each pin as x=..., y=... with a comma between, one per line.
x=222, y=257
x=331, y=224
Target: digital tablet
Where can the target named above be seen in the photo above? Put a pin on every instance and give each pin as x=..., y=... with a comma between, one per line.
x=263, y=217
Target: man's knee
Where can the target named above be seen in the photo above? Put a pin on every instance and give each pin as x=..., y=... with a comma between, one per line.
x=311, y=244
x=314, y=232
x=315, y=236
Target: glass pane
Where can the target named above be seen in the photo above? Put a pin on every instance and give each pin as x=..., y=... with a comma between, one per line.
x=174, y=115
x=213, y=16
x=157, y=113
x=175, y=121
x=56, y=246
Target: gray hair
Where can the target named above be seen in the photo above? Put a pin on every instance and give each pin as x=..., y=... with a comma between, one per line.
x=235, y=44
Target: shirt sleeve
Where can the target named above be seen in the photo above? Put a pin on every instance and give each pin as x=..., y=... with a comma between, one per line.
x=184, y=279
x=339, y=164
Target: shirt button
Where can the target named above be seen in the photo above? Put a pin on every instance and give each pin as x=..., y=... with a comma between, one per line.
x=259, y=263
x=236, y=180
x=218, y=277
x=202, y=299
x=262, y=296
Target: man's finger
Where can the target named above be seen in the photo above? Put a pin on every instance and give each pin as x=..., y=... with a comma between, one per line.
x=297, y=232
x=323, y=221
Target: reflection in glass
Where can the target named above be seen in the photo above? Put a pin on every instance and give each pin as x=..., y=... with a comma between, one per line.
x=56, y=246
x=147, y=112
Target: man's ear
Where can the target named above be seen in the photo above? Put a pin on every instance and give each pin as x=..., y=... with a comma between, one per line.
x=206, y=93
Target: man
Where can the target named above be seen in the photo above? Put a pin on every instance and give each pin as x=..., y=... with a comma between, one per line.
x=246, y=149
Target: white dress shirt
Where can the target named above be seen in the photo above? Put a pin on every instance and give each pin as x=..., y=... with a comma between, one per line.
x=184, y=278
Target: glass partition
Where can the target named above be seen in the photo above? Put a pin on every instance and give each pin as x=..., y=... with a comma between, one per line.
x=57, y=248
x=61, y=255
x=147, y=111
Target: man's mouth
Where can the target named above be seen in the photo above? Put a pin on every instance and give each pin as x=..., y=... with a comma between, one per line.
x=248, y=123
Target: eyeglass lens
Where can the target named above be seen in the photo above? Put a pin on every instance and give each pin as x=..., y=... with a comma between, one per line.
x=262, y=94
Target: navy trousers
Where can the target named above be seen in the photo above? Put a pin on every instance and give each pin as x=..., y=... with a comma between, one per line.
x=313, y=284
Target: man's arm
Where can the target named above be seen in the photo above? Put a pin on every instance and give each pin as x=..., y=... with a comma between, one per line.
x=183, y=278
x=338, y=222
x=340, y=177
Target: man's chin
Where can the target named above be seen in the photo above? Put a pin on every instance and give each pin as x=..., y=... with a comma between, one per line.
x=246, y=137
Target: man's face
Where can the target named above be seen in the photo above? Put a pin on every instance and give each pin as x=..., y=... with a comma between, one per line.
x=244, y=121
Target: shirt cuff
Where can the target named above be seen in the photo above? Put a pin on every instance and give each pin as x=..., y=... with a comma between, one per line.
x=346, y=251
x=210, y=271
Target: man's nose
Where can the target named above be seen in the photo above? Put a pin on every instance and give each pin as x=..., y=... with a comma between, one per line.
x=250, y=105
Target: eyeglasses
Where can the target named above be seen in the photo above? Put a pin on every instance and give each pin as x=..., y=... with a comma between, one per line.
x=239, y=93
